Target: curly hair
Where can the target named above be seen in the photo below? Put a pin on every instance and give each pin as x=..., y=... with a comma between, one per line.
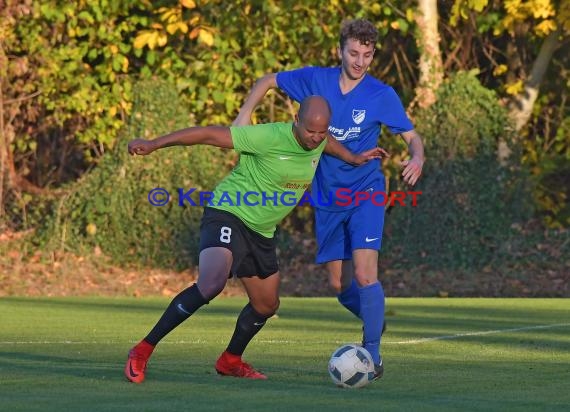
x=361, y=30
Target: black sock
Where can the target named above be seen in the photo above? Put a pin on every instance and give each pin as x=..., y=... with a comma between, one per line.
x=248, y=324
x=182, y=306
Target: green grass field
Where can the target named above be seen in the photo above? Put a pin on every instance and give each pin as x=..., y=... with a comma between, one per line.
x=440, y=354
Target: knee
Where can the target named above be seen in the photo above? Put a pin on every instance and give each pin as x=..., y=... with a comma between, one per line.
x=365, y=275
x=365, y=279
x=267, y=308
x=211, y=289
x=276, y=305
x=366, y=267
x=272, y=307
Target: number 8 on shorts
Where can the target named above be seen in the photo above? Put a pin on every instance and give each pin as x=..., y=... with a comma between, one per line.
x=225, y=234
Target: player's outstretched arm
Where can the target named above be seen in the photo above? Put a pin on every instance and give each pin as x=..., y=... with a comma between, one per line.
x=219, y=136
x=413, y=167
x=336, y=149
x=258, y=91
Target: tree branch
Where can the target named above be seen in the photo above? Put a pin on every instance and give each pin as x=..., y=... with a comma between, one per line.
x=520, y=108
x=23, y=98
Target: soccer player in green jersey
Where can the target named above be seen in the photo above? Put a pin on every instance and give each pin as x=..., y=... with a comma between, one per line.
x=236, y=237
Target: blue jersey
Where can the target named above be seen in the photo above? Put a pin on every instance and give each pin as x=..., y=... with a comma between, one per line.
x=356, y=120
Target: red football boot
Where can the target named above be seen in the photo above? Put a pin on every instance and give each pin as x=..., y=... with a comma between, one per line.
x=136, y=363
x=232, y=365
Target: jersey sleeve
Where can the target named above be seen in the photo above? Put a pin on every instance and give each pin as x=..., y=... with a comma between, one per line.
x=252, y=139
x=296, y=83
x=393, y=113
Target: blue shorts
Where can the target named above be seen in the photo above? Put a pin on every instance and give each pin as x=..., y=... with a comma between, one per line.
x=360, y=227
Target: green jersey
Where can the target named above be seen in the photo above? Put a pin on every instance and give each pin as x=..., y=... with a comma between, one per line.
x=271, y=177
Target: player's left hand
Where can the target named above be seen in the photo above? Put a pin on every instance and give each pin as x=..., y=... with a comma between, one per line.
x=375, y=153
x=412, y=170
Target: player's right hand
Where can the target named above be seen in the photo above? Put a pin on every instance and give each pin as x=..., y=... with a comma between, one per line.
x=141, y=147
x=377, y=153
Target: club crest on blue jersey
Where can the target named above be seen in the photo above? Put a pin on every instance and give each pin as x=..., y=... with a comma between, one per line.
x=358, y=115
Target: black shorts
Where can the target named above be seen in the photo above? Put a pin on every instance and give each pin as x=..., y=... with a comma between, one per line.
x=253, y=254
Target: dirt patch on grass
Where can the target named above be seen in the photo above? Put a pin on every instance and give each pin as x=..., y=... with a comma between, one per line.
x=38, y=273
x=64, y=274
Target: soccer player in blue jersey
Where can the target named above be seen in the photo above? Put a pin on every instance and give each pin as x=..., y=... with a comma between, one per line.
x=349, y=237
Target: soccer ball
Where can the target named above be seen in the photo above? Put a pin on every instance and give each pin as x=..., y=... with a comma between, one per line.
x=351, y=366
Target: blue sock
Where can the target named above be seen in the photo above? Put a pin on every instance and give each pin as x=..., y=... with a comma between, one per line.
x=372, y=315
x=350, y=298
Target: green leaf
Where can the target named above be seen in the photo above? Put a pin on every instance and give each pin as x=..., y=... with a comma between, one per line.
x=218, y=96
x=93, y=53
x=151, y=57
x=86, y=16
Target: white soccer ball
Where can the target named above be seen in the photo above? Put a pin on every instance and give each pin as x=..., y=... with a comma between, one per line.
x=351, y=366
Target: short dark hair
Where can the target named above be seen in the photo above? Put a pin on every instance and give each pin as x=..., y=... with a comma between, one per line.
x=359, y=29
